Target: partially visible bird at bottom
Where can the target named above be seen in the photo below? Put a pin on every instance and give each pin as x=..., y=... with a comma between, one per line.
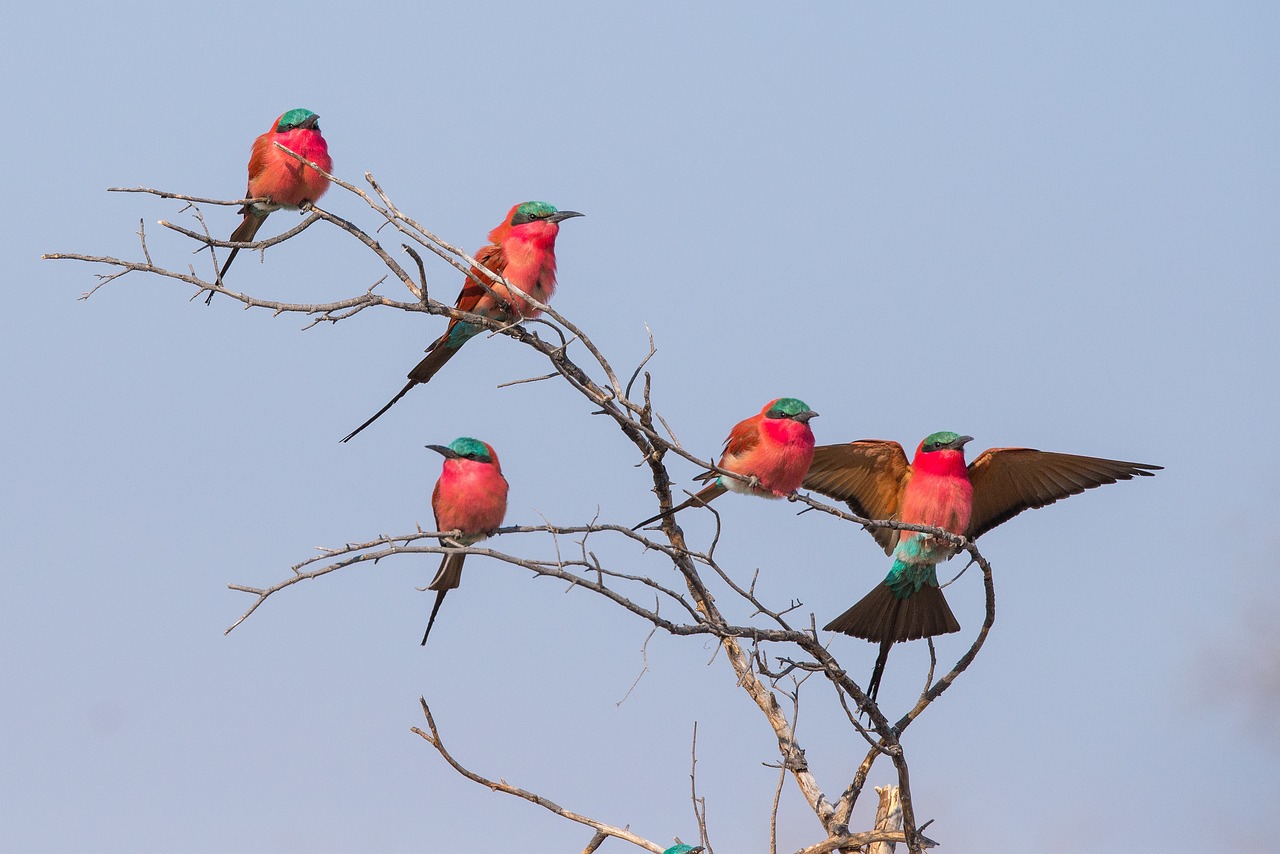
x=471, y=497
x=681, y=848
x=284, y=181
x=774, y=446
x=938, y=490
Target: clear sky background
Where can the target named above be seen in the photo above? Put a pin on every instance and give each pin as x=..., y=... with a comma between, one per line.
x=1053, y=227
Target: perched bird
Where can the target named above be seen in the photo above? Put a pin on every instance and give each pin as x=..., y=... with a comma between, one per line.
x=681, y=848
x=284, y=181
x=936, y=489
x=775, y=447
x=523, y=251
x=471, y=497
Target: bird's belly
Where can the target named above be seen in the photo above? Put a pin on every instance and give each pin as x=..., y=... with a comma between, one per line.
x=743, y=488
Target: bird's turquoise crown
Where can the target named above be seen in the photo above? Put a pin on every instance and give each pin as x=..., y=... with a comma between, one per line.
x=786, y=407
x=293, y=119
x=942, y=439
x=472, y=449
x=529, y=211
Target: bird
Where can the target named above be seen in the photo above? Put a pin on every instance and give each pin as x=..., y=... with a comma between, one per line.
x=283, y=181
x=523, y=251
x=681, y=848
x=774, y=446
x=937, y=489
x=471, y=497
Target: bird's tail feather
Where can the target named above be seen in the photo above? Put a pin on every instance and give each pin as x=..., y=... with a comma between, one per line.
x=873, y=687
x=431, y=621
x=390, y=403
x=244, y=233
x=881, y=616
x=439, y=353
x=447, y=578
x=449, y=575
x=701, y=498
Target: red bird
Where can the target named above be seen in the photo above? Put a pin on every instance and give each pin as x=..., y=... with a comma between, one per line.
x=938, y=490
x=523, y=251
x=775, y=447
x=284, y=181
x=471, y=497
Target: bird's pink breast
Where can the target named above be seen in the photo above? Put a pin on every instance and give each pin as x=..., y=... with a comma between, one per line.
x=470, y=497
x=781, y=458
x=530, y=251
x=943, y=501
x=284, y=179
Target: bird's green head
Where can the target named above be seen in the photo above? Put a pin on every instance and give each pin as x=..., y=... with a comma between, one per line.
x=465, y=448
x=789, y=407
x=527, y=212
x=298, y=118
x=944, y=440
x=683, y=849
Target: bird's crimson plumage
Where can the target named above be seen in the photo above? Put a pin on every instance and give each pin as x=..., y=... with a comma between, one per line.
x=938, y=490
x=282, y=181
x=522, y=250
x=774, y=446
x=285, y=180
x=471, y=497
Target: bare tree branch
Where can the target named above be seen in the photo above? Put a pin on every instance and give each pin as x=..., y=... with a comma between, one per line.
x=433, y=738
x=574, y=358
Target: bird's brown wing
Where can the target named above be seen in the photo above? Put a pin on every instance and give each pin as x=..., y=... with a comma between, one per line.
x=1007, y=481
x=869, y=475
x=744, y=436
x=492, y=258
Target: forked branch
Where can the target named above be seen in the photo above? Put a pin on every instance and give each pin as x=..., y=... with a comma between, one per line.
x=650, y=434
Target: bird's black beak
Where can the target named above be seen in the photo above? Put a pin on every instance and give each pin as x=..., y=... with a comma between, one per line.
x=959, y=443
x=803, y=417
x=562, y=215
x=311, y=122
x=445, y=451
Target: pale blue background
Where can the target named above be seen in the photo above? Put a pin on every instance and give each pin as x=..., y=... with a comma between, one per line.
x=1047, y=226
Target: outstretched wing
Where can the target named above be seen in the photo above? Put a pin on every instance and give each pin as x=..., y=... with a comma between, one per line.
x=869, y=475
x=1007, y=481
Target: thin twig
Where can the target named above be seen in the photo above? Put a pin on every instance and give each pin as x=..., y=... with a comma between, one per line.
x=433, y=738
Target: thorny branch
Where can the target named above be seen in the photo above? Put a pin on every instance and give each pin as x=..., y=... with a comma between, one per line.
x=652, y=437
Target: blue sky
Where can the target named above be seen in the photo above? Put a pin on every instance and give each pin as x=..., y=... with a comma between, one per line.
x=1052, y=227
